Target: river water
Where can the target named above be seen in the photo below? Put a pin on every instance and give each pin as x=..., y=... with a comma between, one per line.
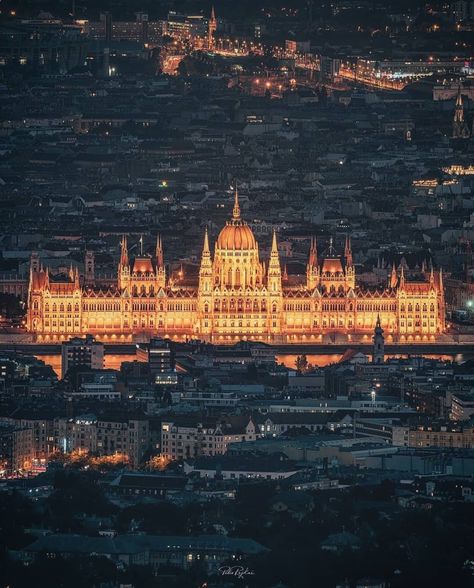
x=114, y=361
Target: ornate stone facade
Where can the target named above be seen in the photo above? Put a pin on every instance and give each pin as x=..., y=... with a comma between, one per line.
x=237, y=296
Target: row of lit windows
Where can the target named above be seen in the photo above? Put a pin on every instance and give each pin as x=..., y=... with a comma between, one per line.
x=298, y=306
x=417, y=307
x=239, y=306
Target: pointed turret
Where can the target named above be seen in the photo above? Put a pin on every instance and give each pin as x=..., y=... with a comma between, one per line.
x=274, y=245
x=124, y=266
x=76, y=279
x=124, y=262
x=274, y=268
x=236, y=210
x=312, y=269
x=89, y=268
x=274, y=255
x=460, y=128
x=393, y=277
x=348, y=252
x=378, y=352
x=160, y=264
x=159, y=252
x=459, y=104
x=206, y=262
x=205, y=271
x=211, y=29
x=34, y=261
x=331, y=247
x=313, y=253
x=402, y=277
x=206, y=252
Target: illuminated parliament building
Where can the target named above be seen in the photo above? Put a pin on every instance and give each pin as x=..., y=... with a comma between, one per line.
x=237, y=296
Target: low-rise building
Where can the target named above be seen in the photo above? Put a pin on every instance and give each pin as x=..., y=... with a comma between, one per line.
x=239, y=468
x=451, y=435
x=192, y=436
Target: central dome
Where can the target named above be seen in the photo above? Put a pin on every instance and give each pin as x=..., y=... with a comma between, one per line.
x=236, y=234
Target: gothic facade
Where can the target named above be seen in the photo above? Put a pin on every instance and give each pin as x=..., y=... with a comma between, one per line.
x=237, y=296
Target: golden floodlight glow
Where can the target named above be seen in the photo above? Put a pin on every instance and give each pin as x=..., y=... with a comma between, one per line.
x=236, y=296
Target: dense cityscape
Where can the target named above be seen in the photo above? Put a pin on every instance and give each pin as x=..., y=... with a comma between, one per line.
x=236, y=293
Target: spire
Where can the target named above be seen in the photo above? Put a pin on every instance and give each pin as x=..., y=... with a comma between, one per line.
x=313, y=253
x=393, y=277
x=274, y=245
x=124, y=253
x=274, y=265
x=76, y=278
x=274, y=268
x=71, y=272
x=459, y=103
x=205, y=250
x=236, y=211
x=205, y=271
x=441, y=286
x=460, y=128
x=331, y=248
x=159, y=252
x=285, y=272
x=348, y=251
x=378, y=351
x=211, y=29
x=402, y=277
